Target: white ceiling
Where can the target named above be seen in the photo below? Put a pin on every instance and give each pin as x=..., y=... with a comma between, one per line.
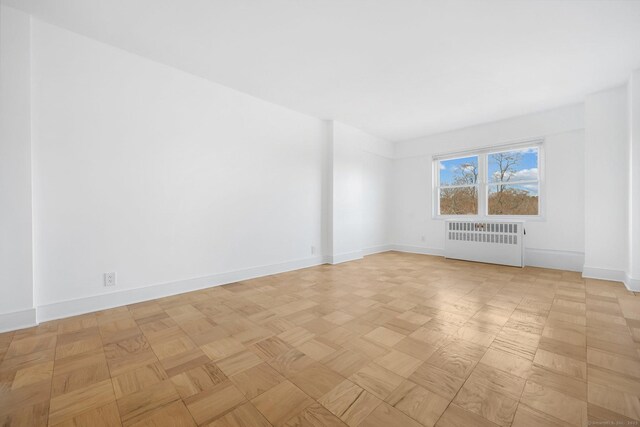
x=395, y=68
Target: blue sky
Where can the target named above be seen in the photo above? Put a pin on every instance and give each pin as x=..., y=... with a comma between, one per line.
x=449, y=168
x=526, y=169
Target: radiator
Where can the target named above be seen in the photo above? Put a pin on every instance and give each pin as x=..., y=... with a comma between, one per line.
x=485, y=241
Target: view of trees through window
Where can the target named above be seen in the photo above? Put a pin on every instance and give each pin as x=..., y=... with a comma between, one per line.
x=507, y=180
x=459, y=186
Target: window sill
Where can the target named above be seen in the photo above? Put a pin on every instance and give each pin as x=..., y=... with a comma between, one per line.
x=493, y=218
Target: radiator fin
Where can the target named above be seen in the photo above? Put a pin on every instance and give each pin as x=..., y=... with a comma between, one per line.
x=484, y=232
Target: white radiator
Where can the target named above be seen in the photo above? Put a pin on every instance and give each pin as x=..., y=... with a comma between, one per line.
x=485, y=241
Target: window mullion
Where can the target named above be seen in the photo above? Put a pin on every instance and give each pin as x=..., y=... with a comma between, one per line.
x=458, y=186
x=482, y=188
x=529, y=181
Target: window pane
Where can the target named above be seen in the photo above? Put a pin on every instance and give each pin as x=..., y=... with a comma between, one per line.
x=459, y=171
x=510, y=199
x=517, y=165
x=459, y=201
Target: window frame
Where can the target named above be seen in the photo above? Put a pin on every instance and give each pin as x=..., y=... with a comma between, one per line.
x=483, y=183
x=477, y=185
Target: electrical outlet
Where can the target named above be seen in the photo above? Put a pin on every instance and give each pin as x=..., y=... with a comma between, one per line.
x=423, y=238
x=313, y=250
x=110, y=279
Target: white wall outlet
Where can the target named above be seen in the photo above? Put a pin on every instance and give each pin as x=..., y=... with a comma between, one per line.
x=313, y=250
x=423, y=238
x=110, y=279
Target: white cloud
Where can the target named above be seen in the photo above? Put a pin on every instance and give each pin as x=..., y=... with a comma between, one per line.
x=526, y=174
x=531, y=187
x=521, y=175
x=442, y=166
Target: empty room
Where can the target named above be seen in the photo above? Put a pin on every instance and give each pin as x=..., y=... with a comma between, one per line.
x=355, y=213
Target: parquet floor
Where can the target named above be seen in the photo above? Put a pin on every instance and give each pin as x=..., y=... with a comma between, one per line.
x=392, y=340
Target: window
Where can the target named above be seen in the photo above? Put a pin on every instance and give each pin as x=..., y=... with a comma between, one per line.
x=459, y=186
x=503, y=181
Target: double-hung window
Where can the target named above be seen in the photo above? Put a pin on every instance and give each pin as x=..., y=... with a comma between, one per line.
x=492, y=182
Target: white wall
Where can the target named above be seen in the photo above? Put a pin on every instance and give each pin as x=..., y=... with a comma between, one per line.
x=177, y=183
x=16, y=282
x=557, y=241
x=377, y=173
x=606, y=184
x=634, y=181
x=347, y=193
x=161, y=176
x=360, y=193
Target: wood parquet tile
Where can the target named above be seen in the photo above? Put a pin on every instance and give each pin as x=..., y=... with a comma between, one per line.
x=391, y=340
x=349, y=402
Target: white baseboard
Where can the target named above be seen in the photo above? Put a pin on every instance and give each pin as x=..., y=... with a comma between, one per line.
x=344, y=257
x=90, y=304
x=18, y=320
x=559, y=260
x=603, y=274
x=631, y=283
x=417, y=250
x=376, y=249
